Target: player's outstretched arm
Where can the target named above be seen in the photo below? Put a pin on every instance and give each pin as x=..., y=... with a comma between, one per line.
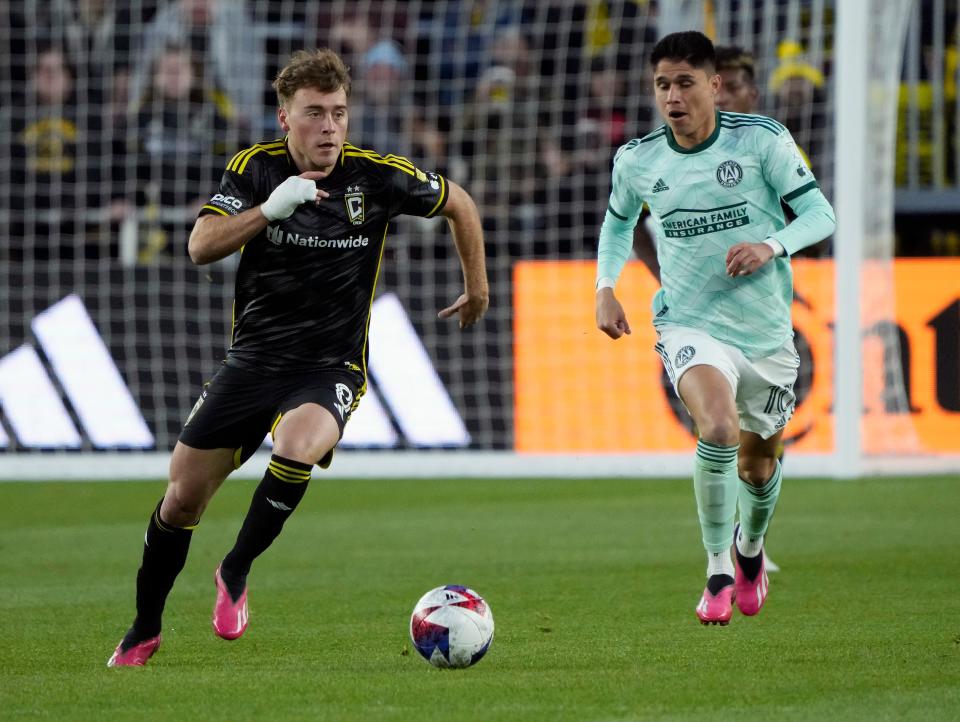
x=216, y=237
x=464, y=218
x=610, y=316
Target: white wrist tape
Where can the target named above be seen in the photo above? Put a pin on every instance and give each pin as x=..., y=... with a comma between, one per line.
x=777, y=247
x=287, y=196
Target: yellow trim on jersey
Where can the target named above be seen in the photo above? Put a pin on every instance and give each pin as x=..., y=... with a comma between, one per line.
x=237, y=455
x=234, y=159
x=214, y=208
x=274, y=425
x=239, y=161
x=381, y=161
x=235, y=163
x=443, y=194
x=366, y=335
x=395, y=161
x=280, y=151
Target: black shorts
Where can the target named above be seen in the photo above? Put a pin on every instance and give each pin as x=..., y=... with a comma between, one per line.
x=238, y=408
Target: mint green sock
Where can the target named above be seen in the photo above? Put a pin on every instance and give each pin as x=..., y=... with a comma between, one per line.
x=757, y=505
x=715, y=485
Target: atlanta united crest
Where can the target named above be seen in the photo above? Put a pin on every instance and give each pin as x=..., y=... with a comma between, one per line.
x=354, y=200
x=683, y=356
x=729, y=173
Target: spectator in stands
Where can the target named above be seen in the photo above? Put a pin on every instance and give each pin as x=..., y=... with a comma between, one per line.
x=350, y=34
x=381, y=118
x=55, y=175
x=738, y=88
x=221, y=36
x=500, y=138
x=576, y=159
x=181, y=142
x=799, y=100
x=457, y=41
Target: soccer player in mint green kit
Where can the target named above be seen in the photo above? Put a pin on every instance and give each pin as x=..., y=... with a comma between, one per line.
x=713, y=181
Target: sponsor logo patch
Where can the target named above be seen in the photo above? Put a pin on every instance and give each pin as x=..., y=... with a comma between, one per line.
x=277, y=236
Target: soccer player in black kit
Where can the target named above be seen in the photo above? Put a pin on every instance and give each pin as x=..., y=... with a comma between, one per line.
x=309, y=214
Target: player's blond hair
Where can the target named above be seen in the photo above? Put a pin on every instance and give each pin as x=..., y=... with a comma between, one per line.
x=322, y=69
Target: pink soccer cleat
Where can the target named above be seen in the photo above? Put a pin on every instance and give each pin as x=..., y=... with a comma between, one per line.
x=136, y=656
x=716, y=608
x=229, y=617
x=750, y=593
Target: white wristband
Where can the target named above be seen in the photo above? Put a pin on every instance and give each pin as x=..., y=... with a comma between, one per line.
x=778, y=249
x=605, y=282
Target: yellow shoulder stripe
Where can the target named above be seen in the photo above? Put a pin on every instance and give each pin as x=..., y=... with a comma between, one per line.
x=239, y=161
x=382, y=161
x=373, y=155
x=443, y=195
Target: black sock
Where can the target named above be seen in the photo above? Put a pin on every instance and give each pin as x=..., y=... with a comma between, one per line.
x=717, y=582
x=749, y=565
x=278, y=494
x=164, y=554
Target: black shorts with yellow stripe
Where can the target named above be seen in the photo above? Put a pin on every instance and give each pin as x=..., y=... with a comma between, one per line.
x=238, y=408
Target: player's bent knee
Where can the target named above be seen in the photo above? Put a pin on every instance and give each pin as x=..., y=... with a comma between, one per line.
x=720, y=430
x=182, y=507
x=757, y=470
x=304, y=450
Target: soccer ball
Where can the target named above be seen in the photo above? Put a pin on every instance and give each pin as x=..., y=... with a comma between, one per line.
x=451, y=626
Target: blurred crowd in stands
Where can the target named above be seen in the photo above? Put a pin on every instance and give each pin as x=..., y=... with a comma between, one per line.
x=121, y=116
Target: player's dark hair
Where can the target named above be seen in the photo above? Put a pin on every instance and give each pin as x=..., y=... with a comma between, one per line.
x=689, y=46
x=321, y=69
x=733, y=57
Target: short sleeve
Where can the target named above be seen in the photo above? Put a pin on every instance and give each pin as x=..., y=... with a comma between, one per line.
x=784, y=166
x=237, y=192
x=415, y=192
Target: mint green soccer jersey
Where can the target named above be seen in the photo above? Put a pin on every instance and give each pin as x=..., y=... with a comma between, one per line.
x=725, y=191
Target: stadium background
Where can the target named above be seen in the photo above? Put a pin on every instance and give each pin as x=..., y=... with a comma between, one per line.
x=118, y=120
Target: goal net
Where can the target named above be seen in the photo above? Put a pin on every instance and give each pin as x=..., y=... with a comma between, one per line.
x=117, y=120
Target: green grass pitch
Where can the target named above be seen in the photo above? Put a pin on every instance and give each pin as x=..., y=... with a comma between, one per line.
x=592, y=584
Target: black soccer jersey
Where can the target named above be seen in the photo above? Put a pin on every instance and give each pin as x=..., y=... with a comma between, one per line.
x=305, y=284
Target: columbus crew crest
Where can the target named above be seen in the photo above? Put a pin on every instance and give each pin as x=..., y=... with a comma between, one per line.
x=354, y=200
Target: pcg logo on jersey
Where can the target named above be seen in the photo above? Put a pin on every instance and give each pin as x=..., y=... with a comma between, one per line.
x=729, y=173
x=354, y=200
x=227, y=201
